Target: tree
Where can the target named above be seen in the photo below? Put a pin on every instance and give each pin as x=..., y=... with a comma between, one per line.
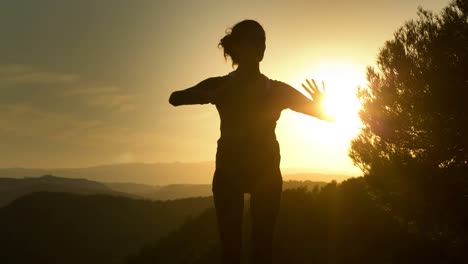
x=413, y=147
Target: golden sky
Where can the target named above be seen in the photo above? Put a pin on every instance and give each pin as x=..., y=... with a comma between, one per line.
x=84, y=83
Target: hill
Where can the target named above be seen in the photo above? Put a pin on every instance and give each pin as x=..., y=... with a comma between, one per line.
x=11, y=188
x=178, y=191
x=70, y=228
x=142, y=173
x=157, y=174
x=139, y=189
x=341, y=223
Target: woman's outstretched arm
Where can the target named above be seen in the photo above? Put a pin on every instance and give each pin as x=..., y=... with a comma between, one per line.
x=202, y=93
x=296, y=101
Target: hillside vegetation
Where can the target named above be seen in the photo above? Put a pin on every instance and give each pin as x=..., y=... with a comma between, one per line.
x=341, y=223
x=69, y=228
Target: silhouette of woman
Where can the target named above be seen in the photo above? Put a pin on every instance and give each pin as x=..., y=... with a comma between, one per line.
x=248, y=155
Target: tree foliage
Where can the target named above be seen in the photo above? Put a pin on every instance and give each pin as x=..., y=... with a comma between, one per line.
x=414, y=143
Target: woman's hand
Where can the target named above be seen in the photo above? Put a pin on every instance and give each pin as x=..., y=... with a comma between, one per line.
x=314, y=91
x=318, y=98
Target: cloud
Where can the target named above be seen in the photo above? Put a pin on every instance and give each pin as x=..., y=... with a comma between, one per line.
x=90, y=90
x=64, y=115
x=24, y=74
x=19, y=81
x=109, y=97
x=38, y=127
x=25, y=120
x=22, y=120
x=117, y=102
x=125, y=157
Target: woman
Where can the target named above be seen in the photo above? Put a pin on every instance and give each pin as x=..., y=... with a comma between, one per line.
x=248, y=155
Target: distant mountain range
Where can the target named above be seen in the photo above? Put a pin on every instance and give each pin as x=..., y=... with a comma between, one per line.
x=179, y=191
x=13, y=188
x=157, y=173
x=143, y=173
x=51, y=219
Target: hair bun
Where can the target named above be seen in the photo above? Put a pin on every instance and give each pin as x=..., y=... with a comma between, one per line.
x=248, y=30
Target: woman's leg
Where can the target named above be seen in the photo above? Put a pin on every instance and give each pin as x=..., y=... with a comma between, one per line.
x=229, y=206
x=264, y=206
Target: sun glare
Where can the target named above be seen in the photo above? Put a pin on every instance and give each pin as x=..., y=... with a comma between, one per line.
x=341, y=83
x=324, y=145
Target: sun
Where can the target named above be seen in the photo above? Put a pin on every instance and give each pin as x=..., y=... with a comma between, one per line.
x=324, y=145
x=341, y=82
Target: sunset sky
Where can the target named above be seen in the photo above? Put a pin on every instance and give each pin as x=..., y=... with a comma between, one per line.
x=87, y=82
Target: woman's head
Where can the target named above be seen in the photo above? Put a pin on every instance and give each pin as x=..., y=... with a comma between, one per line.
x=244, y=42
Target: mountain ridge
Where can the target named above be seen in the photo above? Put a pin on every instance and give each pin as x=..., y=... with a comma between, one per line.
x=13, y=188
x=160, y=173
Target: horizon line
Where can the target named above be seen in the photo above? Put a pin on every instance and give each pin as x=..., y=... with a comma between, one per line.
x=297, y=170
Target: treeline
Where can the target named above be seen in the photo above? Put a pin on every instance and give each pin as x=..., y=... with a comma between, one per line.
x=341, y=223
x=337, y=223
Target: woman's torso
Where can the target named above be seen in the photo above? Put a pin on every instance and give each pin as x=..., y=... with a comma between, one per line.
x=247, y=147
